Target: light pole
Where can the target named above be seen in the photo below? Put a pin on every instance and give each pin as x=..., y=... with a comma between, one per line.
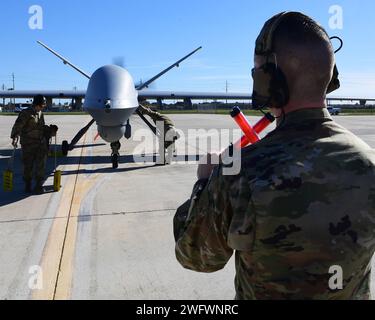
x=226, y=90
x=14, y=102
x=14, y=88
x=3, y=87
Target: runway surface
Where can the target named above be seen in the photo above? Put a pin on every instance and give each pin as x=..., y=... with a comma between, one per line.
x=108, y=233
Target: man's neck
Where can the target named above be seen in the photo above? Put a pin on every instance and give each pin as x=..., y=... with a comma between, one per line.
x=300, y=105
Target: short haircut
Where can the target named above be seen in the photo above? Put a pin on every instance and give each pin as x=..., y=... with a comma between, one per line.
x=299, y=29
x=305, y=53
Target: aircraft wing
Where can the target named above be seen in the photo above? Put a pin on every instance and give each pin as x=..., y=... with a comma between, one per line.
x=62, y=94
x=147, y=94
x=150, y=94
x=173, y=95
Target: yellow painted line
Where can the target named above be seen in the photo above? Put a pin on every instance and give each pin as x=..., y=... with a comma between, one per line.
x=58, y=255
x=52, y=251
x=64, y=281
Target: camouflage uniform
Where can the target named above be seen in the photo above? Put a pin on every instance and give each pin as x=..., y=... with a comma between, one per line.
x=156, y=116
x=170, y=133
x=33, y=134
x=303, y=202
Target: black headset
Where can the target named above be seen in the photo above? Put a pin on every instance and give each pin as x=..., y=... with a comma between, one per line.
x=270, y=86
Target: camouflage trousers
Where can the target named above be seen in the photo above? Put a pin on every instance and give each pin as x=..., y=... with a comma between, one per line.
x=34, y=158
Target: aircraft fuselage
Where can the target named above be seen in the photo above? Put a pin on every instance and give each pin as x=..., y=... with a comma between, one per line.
x=111, y=99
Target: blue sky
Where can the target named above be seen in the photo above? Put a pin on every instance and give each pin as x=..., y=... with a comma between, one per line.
x=150, y=35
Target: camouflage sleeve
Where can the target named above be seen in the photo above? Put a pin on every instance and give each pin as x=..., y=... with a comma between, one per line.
x=201, y=245
x=144, y=110
x=42, y=119
x=155, y=116
x=47, y=132
x=21, y=121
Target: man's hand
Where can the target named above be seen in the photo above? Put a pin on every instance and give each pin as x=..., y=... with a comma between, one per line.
x=15, y=142
x=206, y=165
x=144, y=110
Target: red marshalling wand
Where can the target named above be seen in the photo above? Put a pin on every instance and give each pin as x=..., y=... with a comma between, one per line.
x=250, y=133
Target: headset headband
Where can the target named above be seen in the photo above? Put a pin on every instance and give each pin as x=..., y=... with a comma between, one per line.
x=264, y=43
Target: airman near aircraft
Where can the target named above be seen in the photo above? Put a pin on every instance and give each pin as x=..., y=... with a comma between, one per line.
x=34, y=136
x=170, y=133
x=300, y=215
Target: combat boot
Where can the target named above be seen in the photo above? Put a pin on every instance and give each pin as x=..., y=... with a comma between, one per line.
x=28, y=186
x=38, y=188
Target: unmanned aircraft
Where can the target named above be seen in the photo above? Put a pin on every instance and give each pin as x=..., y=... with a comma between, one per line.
x=112, y=97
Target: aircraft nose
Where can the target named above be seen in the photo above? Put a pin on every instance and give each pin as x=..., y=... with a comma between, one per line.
x=111, y=87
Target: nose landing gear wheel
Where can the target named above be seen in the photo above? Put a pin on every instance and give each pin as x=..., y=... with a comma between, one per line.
x=65, y=147
x=114, y=159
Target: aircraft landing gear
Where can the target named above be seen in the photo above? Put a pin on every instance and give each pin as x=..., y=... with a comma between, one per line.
x=65, y=147
x=115, y=146
x=128, y=130
x=114, y=159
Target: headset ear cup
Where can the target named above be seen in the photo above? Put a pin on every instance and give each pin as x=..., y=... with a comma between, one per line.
x=270, y=87
x=335, y=82
x=261, y=88
x=279, y=90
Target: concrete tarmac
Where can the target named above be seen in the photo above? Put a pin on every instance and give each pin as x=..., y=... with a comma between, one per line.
x=108, y=233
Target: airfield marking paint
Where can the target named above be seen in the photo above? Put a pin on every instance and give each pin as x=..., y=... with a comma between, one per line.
x=52, y=250
x=58, y=253
x=64, y=280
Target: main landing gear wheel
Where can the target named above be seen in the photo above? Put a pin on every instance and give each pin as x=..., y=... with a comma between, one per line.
x=65, y=147
x=114, y=161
